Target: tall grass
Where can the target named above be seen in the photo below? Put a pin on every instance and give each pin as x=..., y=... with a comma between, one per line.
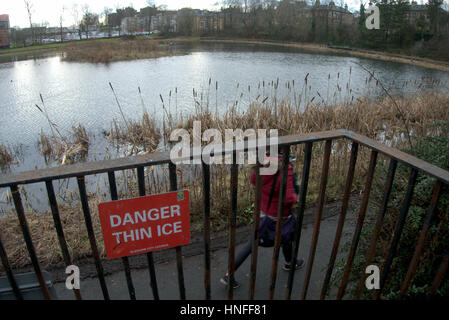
x=433, y=148
x=376, y=119
x=137, y=136
x=6, y=157
x=59, y=147
x=105, y=52
x=67, y=149
x=294, y=113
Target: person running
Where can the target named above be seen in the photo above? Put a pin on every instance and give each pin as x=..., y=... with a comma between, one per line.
x=268, y=219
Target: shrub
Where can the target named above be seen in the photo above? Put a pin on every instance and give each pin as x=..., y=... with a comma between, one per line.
x=433, y=148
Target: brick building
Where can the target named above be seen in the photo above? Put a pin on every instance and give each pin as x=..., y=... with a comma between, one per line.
x=208, y=22
x=4, y=31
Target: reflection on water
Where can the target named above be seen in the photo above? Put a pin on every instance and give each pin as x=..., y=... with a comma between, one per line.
x=79, y=92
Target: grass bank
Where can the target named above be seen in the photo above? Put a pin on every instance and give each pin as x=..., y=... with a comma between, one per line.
x=51, y=47
x=99, y=50
x=114, y=49
x=120, y=50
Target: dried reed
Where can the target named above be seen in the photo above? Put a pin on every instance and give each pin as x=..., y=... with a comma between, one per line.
x=6, y=158
x=376, y=118
x=105, y=52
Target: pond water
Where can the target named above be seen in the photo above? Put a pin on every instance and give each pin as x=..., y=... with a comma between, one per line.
x=76, y=93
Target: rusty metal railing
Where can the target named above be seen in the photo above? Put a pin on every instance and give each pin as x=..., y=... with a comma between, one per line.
x=138, y=163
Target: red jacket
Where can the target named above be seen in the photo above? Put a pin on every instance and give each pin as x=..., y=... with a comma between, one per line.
x=267, y=182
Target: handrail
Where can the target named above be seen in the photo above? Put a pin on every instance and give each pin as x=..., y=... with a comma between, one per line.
x=150, y=159
x=416, y=163
x=157, y=158
x=139, y=162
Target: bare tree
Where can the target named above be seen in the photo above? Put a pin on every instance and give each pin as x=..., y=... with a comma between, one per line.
x=29, y=8
x=150, y=10
x=131, y=25
x=84, y=23
x=185, y=21
x=61, y=20
x=76, y=18
x=117, y=18
x=106, y=12
x=89, y=19
x=234, y=3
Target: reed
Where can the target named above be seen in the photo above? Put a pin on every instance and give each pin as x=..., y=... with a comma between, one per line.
x=105, y=52
x=377, y=119
x=136, y=136
x=6, y=158
x=59, y=147
x=65, y=149
x=390, y=120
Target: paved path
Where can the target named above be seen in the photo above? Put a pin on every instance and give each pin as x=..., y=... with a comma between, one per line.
x=194, y=269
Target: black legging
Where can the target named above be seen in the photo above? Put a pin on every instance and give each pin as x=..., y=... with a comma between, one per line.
x=244, y=252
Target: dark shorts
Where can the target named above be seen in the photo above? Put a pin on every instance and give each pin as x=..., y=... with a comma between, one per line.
x=267, y=230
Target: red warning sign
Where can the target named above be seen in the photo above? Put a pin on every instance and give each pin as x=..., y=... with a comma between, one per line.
x=144, y=224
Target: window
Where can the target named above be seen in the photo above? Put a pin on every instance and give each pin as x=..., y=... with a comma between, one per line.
x=4, y=25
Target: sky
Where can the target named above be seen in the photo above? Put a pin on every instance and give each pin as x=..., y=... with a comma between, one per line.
x=50, y=10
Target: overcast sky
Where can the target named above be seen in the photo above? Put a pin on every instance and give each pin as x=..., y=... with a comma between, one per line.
x=50, y=10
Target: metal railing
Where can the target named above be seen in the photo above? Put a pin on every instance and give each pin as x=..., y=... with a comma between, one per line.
x=80, y=170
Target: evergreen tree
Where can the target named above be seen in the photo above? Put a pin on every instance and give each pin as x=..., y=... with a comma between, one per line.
x=362, y=26
x=434, y=7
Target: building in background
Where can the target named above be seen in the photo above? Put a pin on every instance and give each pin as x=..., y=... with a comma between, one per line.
x=136, y=25
x=332, y=14
x=205, y=21
x=166, y=22
x=4, y=31
x=129, y=25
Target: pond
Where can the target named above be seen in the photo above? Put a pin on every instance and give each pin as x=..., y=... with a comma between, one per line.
x=76, y=93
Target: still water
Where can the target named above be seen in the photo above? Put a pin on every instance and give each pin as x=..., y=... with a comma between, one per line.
x=76, y=93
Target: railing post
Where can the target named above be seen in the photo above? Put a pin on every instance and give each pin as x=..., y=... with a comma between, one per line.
x=9, y=274
x=379, y=220
x=256, y=218
x=29, y=243
x=91, y=234
x=232, y=225
x=300, y=214
x=125, y=260
x=398, y=231
x=318, y=215
x=440, y=274
x=206, y=223
x=341, y=219
x=422, y=238
x=280, y=209
x=358, y=229
x=174, y=187
x=59, y=230
x=153, y=281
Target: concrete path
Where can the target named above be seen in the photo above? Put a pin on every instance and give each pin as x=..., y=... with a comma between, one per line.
x=194, y=268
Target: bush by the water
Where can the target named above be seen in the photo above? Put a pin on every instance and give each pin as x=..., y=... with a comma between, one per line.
x=115, y=50
x=433, y=147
